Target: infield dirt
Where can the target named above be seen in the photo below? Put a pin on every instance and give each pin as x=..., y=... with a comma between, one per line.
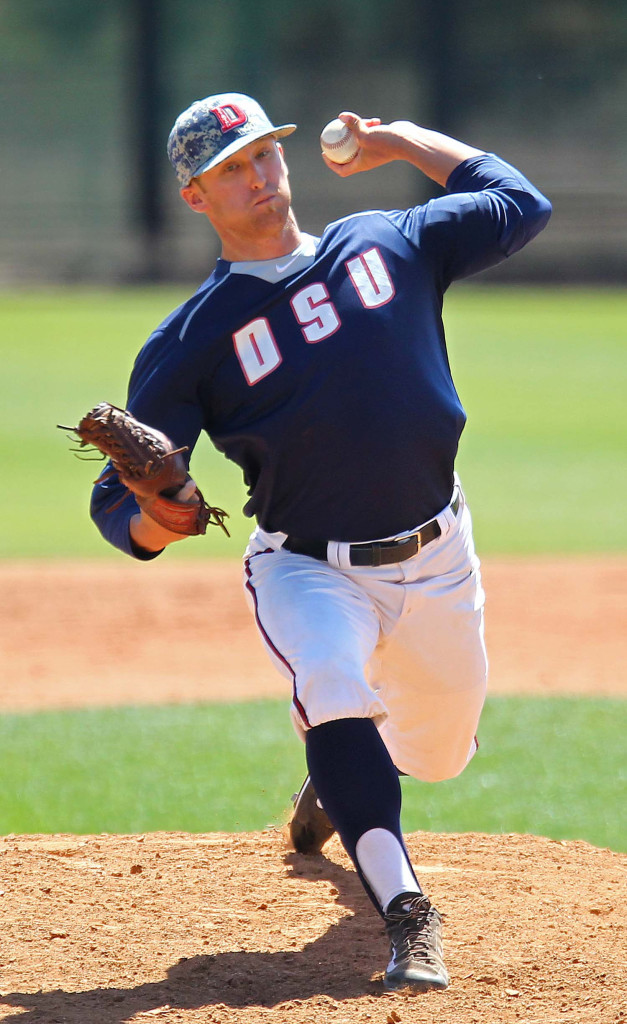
x=236, y=928
x=121, y=632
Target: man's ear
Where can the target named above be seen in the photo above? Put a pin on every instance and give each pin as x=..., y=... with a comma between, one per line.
x=194, y=200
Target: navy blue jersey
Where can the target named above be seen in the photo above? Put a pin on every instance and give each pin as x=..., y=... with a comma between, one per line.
x=324, y=375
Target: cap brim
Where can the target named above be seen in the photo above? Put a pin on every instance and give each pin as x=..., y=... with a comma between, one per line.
x=279, y=133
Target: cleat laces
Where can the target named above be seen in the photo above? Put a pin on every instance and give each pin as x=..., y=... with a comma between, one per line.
x=411, y=930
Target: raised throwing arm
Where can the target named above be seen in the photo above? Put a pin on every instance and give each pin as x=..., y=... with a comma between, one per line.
x=434, y=154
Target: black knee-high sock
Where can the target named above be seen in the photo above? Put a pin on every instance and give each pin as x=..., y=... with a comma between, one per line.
x=356, y=782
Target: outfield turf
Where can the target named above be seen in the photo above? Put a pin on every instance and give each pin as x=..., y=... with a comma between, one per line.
x=552, y=767
x=542, y=374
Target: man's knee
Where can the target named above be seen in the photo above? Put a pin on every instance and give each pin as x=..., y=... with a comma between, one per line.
x=438, y=765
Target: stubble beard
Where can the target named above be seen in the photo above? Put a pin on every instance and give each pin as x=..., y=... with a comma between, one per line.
x=274, y=216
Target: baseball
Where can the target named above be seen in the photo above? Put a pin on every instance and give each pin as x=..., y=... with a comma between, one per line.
x=338, y=142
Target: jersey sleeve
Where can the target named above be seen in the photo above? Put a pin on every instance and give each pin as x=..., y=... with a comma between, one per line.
x=156, y=396
x=491, y=212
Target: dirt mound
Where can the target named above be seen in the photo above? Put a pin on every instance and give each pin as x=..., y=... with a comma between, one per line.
x=235, y=928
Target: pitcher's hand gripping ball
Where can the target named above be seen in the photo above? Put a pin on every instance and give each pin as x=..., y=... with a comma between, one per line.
x=149, y=465
x=338, y=142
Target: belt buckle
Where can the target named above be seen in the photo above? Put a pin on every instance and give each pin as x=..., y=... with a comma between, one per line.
x=404, y=541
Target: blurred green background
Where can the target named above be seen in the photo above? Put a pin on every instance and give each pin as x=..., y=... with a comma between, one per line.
x=90, y=92
x=97, y=248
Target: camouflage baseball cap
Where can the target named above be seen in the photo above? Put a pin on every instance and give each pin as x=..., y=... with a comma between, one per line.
x=211, y=130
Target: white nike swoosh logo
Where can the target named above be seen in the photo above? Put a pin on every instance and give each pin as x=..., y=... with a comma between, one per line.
x=282, y=267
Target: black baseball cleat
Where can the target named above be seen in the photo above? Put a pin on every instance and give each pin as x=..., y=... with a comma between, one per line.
x=309, y=827
x=414, y=929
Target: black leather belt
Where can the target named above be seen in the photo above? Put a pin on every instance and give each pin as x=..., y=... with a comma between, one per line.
x=375, y=553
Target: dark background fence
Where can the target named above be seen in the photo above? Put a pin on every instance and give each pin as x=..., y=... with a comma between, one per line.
x=90, y=91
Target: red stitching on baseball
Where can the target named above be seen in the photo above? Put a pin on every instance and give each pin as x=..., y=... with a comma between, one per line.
x=340, y=142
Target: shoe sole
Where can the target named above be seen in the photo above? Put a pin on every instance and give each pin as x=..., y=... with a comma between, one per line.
x=416, y=986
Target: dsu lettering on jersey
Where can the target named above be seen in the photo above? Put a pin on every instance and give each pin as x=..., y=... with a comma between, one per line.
x=255, y=344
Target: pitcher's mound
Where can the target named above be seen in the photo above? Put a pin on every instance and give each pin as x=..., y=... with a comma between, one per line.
x=236, y=928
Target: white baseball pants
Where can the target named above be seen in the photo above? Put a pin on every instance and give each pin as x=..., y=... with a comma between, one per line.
x=402, y=644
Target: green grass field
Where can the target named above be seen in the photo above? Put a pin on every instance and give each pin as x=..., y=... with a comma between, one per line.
x=543, y=376
x=548, y=767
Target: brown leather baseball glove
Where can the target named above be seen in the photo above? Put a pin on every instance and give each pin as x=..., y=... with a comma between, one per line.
x=149, y=465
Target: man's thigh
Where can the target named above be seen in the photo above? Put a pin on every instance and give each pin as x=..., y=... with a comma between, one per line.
x=320, y=630
x=433, y=665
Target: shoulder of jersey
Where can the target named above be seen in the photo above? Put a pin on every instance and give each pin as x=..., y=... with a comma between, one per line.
x=362, y=227
x=174, y=328
x=350, y=220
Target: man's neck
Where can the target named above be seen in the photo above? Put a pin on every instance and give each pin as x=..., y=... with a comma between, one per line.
x=238, y=249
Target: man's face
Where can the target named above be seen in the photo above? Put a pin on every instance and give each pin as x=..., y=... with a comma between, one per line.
x=246, y=196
